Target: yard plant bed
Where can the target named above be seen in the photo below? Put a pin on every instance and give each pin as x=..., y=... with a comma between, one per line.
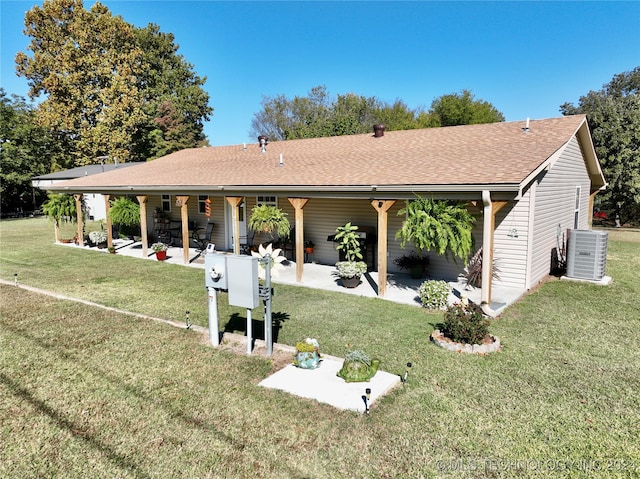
x=88, y=392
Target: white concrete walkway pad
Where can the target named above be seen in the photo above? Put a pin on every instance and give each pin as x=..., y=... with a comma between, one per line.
x=324, y=386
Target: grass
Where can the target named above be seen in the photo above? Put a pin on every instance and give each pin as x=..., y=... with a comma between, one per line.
x=87, y=392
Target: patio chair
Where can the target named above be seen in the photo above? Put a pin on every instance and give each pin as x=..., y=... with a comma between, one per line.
x=246, y=242
x=202, y=236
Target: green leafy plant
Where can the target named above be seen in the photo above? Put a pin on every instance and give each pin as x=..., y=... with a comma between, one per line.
x=125, y=213
x=465, y=324
x=269, y=219
x=358, y=355
x=97, y=237
x=351, y=269
x=60, y=208
x=443, y=227
x=413, y=262
x=157, y=247
x=309, y=345
x=348, y=242
x=434, y=294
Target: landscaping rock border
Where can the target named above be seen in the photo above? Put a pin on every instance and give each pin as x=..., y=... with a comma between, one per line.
x=488, y=347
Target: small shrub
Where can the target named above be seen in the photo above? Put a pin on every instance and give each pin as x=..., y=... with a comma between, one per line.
x=465, y=324
x=434, y=294
x=97, y=237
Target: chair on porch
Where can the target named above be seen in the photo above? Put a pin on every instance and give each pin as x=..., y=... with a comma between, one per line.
x=246, y=242
x=202, y=236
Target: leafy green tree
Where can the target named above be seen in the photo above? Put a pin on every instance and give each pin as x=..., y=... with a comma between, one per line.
x=110, y=89
x=26, y=150
x=317, y=115
x=174, y=101
x=440, y=226
x=614, y=118
x=86, y=63
x=462, y=109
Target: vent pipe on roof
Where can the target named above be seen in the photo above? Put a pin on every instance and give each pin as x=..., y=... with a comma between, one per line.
x=264, y=141
x=526, y=126
x=378, y=130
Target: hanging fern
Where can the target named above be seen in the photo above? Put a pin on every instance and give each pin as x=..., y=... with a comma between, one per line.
x=124, y=212
x=443, y=227
x=267, y=219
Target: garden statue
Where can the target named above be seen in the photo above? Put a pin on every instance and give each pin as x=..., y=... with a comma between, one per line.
x=358, y=367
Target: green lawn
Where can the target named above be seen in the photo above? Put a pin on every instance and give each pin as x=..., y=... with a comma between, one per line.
x=85, y=392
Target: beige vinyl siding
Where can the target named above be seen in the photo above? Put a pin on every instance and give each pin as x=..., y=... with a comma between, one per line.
x=555, y=205
x=510, y=241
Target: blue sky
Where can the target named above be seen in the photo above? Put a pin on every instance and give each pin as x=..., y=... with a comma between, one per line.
x=526, y=58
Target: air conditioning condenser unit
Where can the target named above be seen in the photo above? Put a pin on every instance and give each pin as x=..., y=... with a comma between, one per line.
x=587, y=254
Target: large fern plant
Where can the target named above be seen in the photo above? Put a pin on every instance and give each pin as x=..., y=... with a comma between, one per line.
x=269, y=219
x=443, y=227
x=60, y=208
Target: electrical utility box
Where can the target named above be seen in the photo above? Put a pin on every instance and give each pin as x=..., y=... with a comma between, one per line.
x=215, y=270
x=242, y=281
x=587, y=254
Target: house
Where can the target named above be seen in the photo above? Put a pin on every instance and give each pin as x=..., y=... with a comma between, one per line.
x=93, y=202
x=526, y=182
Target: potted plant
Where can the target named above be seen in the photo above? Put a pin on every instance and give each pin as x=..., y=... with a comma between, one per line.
x=358, y=367
x=440, y=226
x=125, y=214
x=60, y=208
x=308, y=247
x=270, y=220
x=351, y=269
x=160, y=249
x=307, y=354
x=99, y=238
x=413, y=262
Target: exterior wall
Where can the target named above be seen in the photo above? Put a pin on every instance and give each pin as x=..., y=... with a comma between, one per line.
x=511, y=241
x=554, y=207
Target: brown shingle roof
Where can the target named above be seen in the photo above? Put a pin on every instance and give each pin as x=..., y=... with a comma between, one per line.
x=487, y=154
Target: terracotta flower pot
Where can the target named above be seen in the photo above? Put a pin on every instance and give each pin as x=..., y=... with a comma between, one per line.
x=161, y=255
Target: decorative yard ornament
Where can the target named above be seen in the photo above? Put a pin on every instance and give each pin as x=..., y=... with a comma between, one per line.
x=276, y=259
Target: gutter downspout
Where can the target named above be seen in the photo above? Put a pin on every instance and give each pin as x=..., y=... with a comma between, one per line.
x=487, y=245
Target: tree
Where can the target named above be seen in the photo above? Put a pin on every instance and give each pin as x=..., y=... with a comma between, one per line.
x=614, y=118
x=111, y=89
x=86, y=62
x=462, y=109
x=317, y=115
x=440, y=226
x=26, y=150
x=173, y=99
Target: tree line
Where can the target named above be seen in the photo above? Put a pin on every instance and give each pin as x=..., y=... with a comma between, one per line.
x=111, y=90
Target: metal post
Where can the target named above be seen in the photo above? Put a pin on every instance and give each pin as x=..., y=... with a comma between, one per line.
x=268, y=323
x=249, y=331
x=213, y=317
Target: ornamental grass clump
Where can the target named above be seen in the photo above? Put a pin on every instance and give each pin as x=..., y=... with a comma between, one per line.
x=465, y=324
x=434, y=294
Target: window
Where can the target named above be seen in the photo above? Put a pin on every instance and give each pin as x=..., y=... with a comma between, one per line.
x=202, y=203
x=576, y=213
x=267, y=200
x=166, y=203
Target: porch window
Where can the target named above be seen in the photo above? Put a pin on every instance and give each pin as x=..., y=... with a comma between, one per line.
x=166, y=203
x=202, y=205
x=267, y=200
x=576, y=213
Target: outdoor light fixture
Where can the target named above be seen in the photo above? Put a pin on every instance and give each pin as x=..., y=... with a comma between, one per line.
x=186, y=320
x=365, y=399
x=15, y=279
x=368, y=393
x=406, y=373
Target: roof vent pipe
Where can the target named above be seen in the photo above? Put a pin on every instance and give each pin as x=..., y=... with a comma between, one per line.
x=526, y=126
x=264, y=141
x=378, y=130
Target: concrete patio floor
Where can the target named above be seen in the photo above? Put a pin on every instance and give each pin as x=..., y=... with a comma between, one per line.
x=401, y=288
